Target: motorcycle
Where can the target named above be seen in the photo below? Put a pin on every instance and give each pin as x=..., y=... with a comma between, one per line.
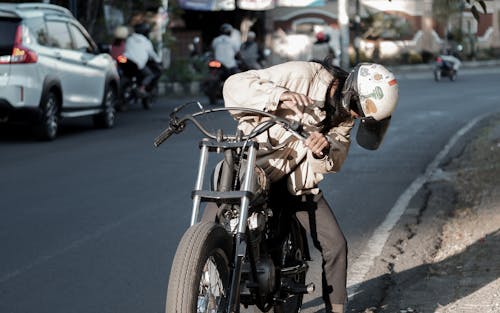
x=255, y=252
x=130, y=81
x=214, y=80
x=446, y=66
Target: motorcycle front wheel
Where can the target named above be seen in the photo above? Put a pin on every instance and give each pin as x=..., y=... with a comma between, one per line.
x=200, y=271
x=437, y=75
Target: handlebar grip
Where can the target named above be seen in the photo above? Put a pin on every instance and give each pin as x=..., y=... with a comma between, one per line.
x=163, y=136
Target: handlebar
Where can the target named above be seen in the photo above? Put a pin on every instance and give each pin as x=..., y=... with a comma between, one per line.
x=177, y=125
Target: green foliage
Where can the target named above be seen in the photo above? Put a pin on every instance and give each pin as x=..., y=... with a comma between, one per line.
x=474, y=9
x=182, y=71
x=382, y=25
x=444, y=9
x=362, y=58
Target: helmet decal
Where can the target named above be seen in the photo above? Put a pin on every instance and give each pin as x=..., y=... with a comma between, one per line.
x=364, y=71
x=370, y=107
x=377, y=93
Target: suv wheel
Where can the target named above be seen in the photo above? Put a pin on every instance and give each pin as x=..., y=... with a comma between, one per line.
x=49, y=121
x=106, y=119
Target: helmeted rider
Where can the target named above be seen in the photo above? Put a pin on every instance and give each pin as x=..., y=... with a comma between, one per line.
x=120, y=35
x=225, y=48
x=321, y=48
x=139, y=49
x=326, y=100
x=250, y=52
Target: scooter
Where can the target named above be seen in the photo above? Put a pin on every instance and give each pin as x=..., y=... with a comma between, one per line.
x=446, y=66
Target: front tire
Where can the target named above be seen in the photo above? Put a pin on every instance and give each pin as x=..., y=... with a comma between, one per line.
x=437, y=75
x=199, y=276
x=106, y=119
x=49, y=119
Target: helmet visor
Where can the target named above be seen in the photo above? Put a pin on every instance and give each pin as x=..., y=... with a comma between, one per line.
x=371, y=132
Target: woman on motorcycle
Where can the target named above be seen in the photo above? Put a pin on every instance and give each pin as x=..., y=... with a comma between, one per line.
x=326, y=100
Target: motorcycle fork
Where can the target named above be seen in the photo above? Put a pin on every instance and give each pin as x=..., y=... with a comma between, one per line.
x=244, y=194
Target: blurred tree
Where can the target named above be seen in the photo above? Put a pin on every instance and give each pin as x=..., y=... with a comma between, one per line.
x=377, y=25
x=91, y=12
x=443, y=10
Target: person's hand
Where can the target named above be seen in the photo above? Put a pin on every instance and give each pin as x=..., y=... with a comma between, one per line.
x=293, y=101
x=318, y=144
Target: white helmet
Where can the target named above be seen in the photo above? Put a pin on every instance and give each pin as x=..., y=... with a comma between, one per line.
x=372, y=91
x=121, y=32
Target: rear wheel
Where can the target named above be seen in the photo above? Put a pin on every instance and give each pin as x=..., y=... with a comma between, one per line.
x=200, y=271
x=293, y=250
x=49, y=120
x=147, y=102
x=106, y=119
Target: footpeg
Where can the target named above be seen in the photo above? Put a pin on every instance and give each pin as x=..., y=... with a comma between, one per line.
x=299, y=288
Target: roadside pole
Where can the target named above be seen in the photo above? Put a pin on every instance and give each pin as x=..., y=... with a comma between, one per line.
x=344, y=33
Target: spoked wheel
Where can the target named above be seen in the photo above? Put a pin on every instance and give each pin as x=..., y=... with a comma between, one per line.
x=200, y=272
x=49, y=120
x=106, y=119
x=293, y=254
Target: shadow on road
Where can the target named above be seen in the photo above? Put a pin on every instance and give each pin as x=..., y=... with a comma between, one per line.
x=434, y=285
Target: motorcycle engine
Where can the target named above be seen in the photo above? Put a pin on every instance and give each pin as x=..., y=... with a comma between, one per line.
x=266, y=275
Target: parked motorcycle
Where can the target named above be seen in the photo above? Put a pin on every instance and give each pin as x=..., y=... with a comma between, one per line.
x=130, y=81
x=256, y=252
x=446, y=66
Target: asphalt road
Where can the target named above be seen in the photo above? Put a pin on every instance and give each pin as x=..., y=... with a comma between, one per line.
x=90, y=222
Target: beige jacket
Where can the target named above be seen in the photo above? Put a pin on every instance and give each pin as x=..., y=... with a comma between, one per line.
x=280, y=153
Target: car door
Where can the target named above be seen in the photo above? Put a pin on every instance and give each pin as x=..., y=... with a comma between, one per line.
x=94, y=65
x=75, y=76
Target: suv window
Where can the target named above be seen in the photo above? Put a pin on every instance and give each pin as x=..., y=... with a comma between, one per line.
x=58, y=35
x=38, y=30
x=7, y=35
x=80, y=41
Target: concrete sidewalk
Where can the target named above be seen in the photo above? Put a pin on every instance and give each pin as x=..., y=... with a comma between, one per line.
x=444, y=254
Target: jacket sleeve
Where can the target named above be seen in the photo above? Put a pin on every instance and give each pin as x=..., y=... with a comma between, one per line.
x=340, y=139
x=252, y=89
x=152, y=53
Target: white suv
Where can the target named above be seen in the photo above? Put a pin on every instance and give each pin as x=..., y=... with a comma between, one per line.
x=51, y=69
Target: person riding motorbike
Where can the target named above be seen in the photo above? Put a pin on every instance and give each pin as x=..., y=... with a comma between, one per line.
x=139, y=50
x=225, y=49
x=326, y=100
x=119, y=40
x=250, y=53
x=321, y=48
